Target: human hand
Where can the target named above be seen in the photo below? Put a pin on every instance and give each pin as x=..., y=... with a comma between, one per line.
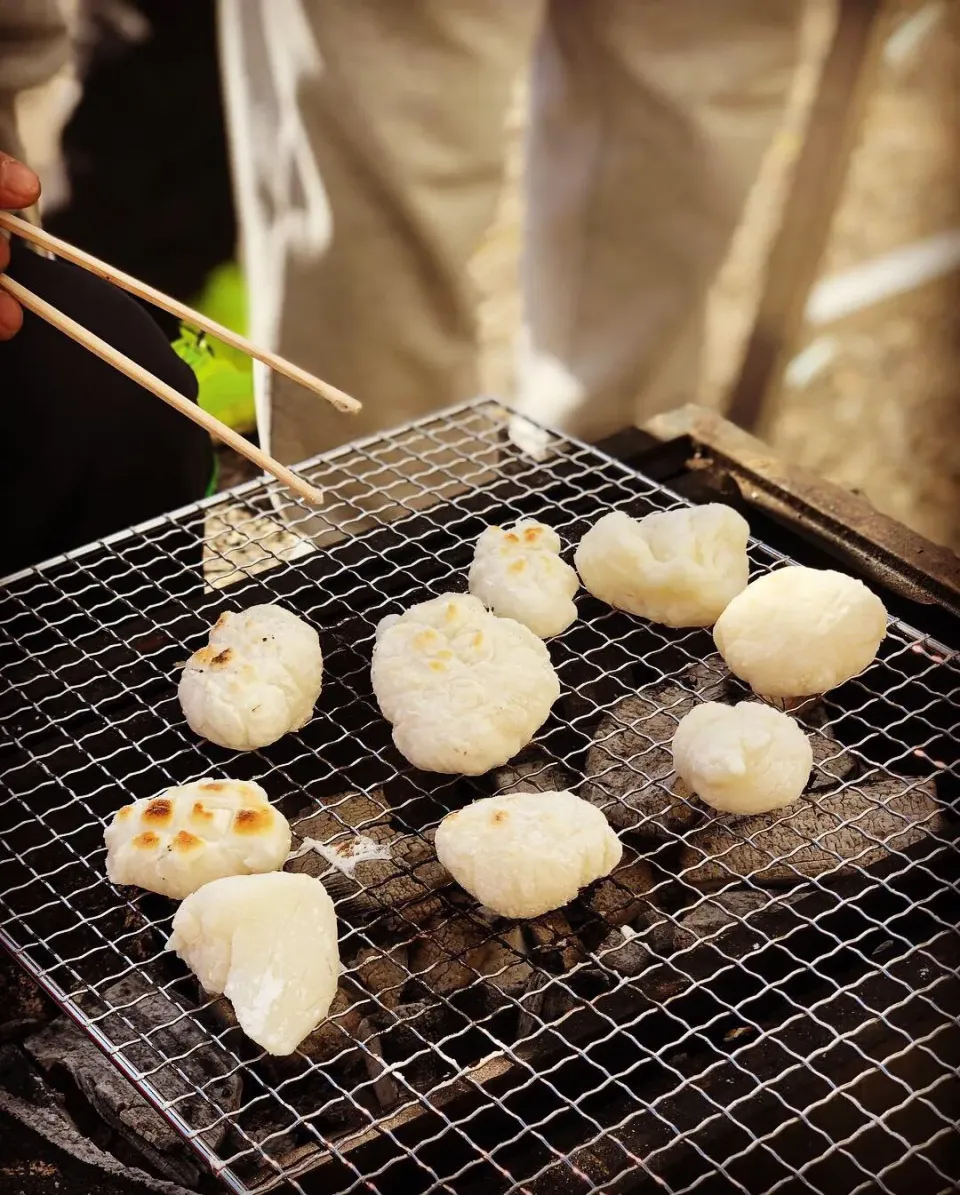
x=19, y=188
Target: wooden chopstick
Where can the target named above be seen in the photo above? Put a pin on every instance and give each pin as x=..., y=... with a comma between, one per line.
x=29, y=232
x=26, y=298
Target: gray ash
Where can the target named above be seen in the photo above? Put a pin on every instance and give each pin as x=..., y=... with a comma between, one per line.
x=629, y=766
x=531, y=771
x=823, y=833
x=143, y=1011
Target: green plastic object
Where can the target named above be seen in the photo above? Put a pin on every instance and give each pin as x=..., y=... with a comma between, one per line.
x=224, y=374
x=213, y=485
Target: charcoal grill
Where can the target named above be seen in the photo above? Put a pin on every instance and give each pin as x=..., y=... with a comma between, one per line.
x=743, y=1012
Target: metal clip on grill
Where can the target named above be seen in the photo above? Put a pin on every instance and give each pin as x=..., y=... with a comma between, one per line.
x=770, y=1011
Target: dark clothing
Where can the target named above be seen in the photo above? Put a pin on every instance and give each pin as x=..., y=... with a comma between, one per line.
x=145, y=150
x=87, y=452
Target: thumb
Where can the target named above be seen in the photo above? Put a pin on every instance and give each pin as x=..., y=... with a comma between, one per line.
x=19, y=186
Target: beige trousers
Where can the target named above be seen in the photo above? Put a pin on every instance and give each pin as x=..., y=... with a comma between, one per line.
x=368, y=140
x=34, y=45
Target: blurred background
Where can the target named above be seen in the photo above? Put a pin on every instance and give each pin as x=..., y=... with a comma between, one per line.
x=869, y=396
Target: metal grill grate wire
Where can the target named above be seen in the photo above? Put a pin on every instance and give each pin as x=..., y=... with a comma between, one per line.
x=519, y=1055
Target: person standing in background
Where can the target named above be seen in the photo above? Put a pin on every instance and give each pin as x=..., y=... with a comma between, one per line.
x=142, y=177
x=85, y=450
x=144, y=151
x=368, y=149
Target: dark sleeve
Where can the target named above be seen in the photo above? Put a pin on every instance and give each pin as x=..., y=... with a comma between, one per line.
x=87, y=452
x=145, y=152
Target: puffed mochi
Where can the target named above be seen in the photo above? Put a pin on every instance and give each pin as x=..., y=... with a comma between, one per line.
x=517, y=573
x=744, y=758
x=189, y=835
x=257, y=679
x=524, y=853
x=269, y=944
x=676, y=567
x=800, y=631
x=464, y=690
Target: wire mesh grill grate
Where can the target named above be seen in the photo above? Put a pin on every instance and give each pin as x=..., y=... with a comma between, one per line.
x=761, y=1006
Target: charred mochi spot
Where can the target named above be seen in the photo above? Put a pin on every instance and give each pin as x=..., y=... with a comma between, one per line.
x=147, y=841
x=159, y=812
x=252, y=821
x=185, y=842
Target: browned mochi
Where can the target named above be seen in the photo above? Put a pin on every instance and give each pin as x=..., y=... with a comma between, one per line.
x=175, y=843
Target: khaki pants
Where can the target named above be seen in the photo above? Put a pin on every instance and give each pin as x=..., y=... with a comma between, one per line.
x=34, y=45
x=368, y=140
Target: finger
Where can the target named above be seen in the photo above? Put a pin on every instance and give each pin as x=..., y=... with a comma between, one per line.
x=11, y=317
x=19, y=186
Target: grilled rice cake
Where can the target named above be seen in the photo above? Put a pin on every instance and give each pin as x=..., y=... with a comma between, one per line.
x=195, y=833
